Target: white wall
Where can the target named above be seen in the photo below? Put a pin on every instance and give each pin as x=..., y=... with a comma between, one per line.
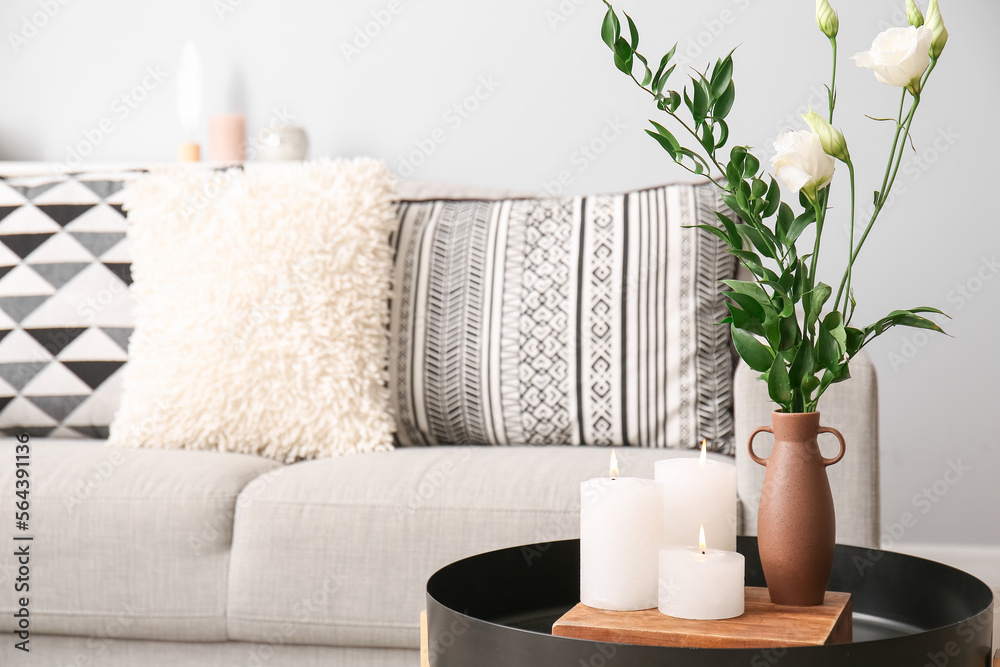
x=554, y=92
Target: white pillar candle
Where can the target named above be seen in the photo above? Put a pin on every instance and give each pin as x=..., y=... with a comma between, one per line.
x=701, y=584
x=620, y=529
x=698, y=492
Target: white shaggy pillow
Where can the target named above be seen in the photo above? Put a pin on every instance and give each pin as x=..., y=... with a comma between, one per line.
x=262, y=310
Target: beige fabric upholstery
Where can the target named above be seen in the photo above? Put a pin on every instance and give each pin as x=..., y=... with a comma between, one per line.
x=131, y=541
x=110, y=651
x=852, y=408
x=342, y=548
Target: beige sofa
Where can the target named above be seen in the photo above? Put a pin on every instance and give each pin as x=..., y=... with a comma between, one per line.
x=191, y=558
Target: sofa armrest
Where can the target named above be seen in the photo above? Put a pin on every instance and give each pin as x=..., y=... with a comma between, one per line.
x=852, y=408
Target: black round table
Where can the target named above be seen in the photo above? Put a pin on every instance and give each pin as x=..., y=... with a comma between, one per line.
x=497, y=609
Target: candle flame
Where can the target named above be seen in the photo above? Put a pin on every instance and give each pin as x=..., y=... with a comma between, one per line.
x=701, y=540
x=704, y=452
x=614, y=464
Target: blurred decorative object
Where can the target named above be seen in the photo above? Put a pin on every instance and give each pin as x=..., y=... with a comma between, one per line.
x=285, y=142
x=189, y=102
x=262, y=303
x=227, y=138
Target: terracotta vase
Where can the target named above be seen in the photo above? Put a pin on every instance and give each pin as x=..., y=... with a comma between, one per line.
x=796, y=524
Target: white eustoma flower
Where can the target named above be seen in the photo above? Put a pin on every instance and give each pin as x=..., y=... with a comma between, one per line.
x=899, y=56
x=801, y=163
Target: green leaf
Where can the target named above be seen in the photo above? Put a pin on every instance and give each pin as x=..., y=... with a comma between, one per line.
x=661, y=77
x=814, y=303
x=707, y=139
x=701, y=99
x=928, y=309
x=779, y=386
x=834, y=323
x=738, y=156
x=809, y=384
x=799, y=225
x=722, y=77
x=623, y=56
x=773, y=199
x=759, y=242
x=784, y=221
x=731, y=230
x=664, y=143
x=723, y=133
x=905, y=319
x=714, y=231
x=827, y=349
x=759, y=189
x=789, y=335
x=802, y=364
x=699, y=165
x=751, y=289
x=724, y=104
x=757, y=355
x=843, y=374
x=633, y=33
x=748, y=304
x=743, y=321
x=751, y=166
x=855, y=340
x=610, y=29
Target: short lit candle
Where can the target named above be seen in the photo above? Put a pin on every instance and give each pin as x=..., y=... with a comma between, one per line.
x=620, y=527
x=698, y=492
x=701, y=583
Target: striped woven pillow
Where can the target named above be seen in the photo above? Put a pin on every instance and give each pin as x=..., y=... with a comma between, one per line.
x=562, y=321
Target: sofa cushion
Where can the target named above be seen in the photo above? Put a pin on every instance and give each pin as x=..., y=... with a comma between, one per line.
x=134, y=539
x=262, y=306
x=341, y=549
x=65, y=308
x=551, y=321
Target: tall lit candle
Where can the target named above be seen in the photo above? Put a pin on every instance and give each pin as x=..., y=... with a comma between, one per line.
x=620, y=527
x=701, y=583
x=698, y=492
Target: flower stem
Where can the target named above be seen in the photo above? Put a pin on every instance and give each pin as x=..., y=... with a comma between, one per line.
x=850, y=250
x=833, y=79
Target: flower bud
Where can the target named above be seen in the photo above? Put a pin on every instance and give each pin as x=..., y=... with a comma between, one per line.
x=833, y=141
x=913, y=14
x=827, y=19
x=936, y=24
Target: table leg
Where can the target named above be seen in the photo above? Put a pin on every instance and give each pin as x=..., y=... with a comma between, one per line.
x=424, y=643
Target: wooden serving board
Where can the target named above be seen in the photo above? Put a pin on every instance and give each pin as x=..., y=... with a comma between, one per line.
x=763, y=624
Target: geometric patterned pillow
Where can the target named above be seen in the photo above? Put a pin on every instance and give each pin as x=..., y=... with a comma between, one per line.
x=589, y=321
x=65, y=308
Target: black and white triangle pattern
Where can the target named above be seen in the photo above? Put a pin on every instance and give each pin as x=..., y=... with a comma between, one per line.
x=65, y=307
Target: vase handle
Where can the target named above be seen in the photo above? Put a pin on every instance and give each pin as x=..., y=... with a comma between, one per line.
x=843, y=445
x=757, y=459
